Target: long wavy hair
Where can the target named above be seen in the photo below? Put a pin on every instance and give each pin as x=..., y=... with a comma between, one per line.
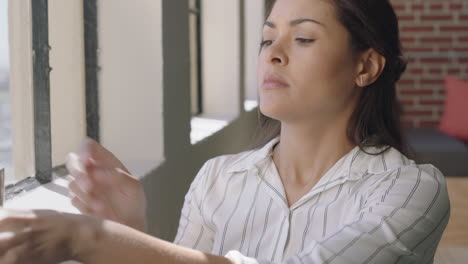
x=375, y=121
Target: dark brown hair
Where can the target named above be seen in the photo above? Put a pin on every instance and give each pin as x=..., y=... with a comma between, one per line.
x=376, y=119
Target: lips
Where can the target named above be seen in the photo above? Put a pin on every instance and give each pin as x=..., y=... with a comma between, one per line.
x=273, y=81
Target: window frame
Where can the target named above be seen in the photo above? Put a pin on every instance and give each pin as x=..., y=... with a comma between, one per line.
x=90, y=20
x=44, y=172
x=41, y=91
x=196, y=57
x=173, y=132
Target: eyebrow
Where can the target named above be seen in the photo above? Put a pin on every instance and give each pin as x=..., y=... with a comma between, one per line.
x=295, y=22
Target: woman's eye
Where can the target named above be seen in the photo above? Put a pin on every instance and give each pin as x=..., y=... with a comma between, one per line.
x=265, y=43
x=303, y=40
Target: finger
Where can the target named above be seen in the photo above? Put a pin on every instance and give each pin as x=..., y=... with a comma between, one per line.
x=74, y=165
x=82, y=207
x=11, y=220
x=17, y=254
x=11, y=239
x=89, y=164
x=126, y=174
x=77, y=170
x=90, y=150
x=90, y=200
x=73, y=161
x=86, y=183
x=87, y=171
x=114, y=177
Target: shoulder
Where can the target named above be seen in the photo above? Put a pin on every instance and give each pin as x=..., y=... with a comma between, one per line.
x=224, y=166
x=393, y=165
x=388, y=164
x=415, y=189
x=230, y=163
x=414, y=177
x=393, y=178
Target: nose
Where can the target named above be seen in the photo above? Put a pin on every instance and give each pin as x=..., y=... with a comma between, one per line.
x=277, y=54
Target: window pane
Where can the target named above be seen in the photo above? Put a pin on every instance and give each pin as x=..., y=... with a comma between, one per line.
x=5, y=113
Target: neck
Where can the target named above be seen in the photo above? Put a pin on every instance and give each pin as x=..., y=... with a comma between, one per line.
x=305, y=153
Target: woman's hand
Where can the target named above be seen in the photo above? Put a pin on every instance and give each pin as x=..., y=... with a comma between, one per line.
x=46, y=237
x=101, y=186
x=39, y=236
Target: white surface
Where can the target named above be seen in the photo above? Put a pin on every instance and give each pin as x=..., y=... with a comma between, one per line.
x=21, y=88
x=221, y=64
x=3, y=34
x=67, y=78
x=253, y=36
x=130, y=79
x=205, y=127
x=250, y=105
x=53, y=195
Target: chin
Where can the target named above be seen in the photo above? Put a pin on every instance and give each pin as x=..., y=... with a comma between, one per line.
x=271, y=110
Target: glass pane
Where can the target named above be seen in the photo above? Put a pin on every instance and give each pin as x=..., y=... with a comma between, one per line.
x=5, y=113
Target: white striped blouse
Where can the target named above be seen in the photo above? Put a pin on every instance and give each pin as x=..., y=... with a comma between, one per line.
x=366, y=209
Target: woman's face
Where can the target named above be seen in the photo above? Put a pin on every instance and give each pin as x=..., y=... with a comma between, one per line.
x=306, y=68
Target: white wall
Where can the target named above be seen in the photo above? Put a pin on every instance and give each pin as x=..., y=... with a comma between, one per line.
x=221, y=53
x=67, y=78
x=3, y=34
x=21, y=92
x=130, y=80
x=254, y=11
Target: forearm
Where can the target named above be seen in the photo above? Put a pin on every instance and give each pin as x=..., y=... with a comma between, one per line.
x=110, y=242
x=138, y=224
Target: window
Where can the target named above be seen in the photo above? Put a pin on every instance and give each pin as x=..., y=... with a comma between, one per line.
x=228, y=40
x=75, y=87
x=219, y=55
x=98, y=71
x=57, y=99
x=47, y=93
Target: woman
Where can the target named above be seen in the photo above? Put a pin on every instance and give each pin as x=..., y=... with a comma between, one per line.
x=328, y=181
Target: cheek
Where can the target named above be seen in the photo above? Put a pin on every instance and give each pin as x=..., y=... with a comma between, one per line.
x=323, y=81
x=260, y=68
x=323, y=71
x=321, y=63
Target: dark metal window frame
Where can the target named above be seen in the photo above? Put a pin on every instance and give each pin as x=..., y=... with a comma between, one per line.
x=41, y=93
x=91, y=68
x=41, y=90
x=198, y=13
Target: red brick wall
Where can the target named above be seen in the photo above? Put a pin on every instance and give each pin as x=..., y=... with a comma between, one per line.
x=435, y=40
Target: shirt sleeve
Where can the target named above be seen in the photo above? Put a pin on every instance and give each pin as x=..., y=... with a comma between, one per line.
x=192, y=232
x=401, y=221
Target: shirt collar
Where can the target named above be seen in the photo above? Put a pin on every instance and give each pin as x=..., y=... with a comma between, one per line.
x=353, y=165
x=254, y=157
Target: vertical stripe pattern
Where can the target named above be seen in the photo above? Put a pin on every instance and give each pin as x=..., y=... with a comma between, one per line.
x=365, y=209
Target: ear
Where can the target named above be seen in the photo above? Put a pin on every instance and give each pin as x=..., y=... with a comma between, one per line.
x=370, y=66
